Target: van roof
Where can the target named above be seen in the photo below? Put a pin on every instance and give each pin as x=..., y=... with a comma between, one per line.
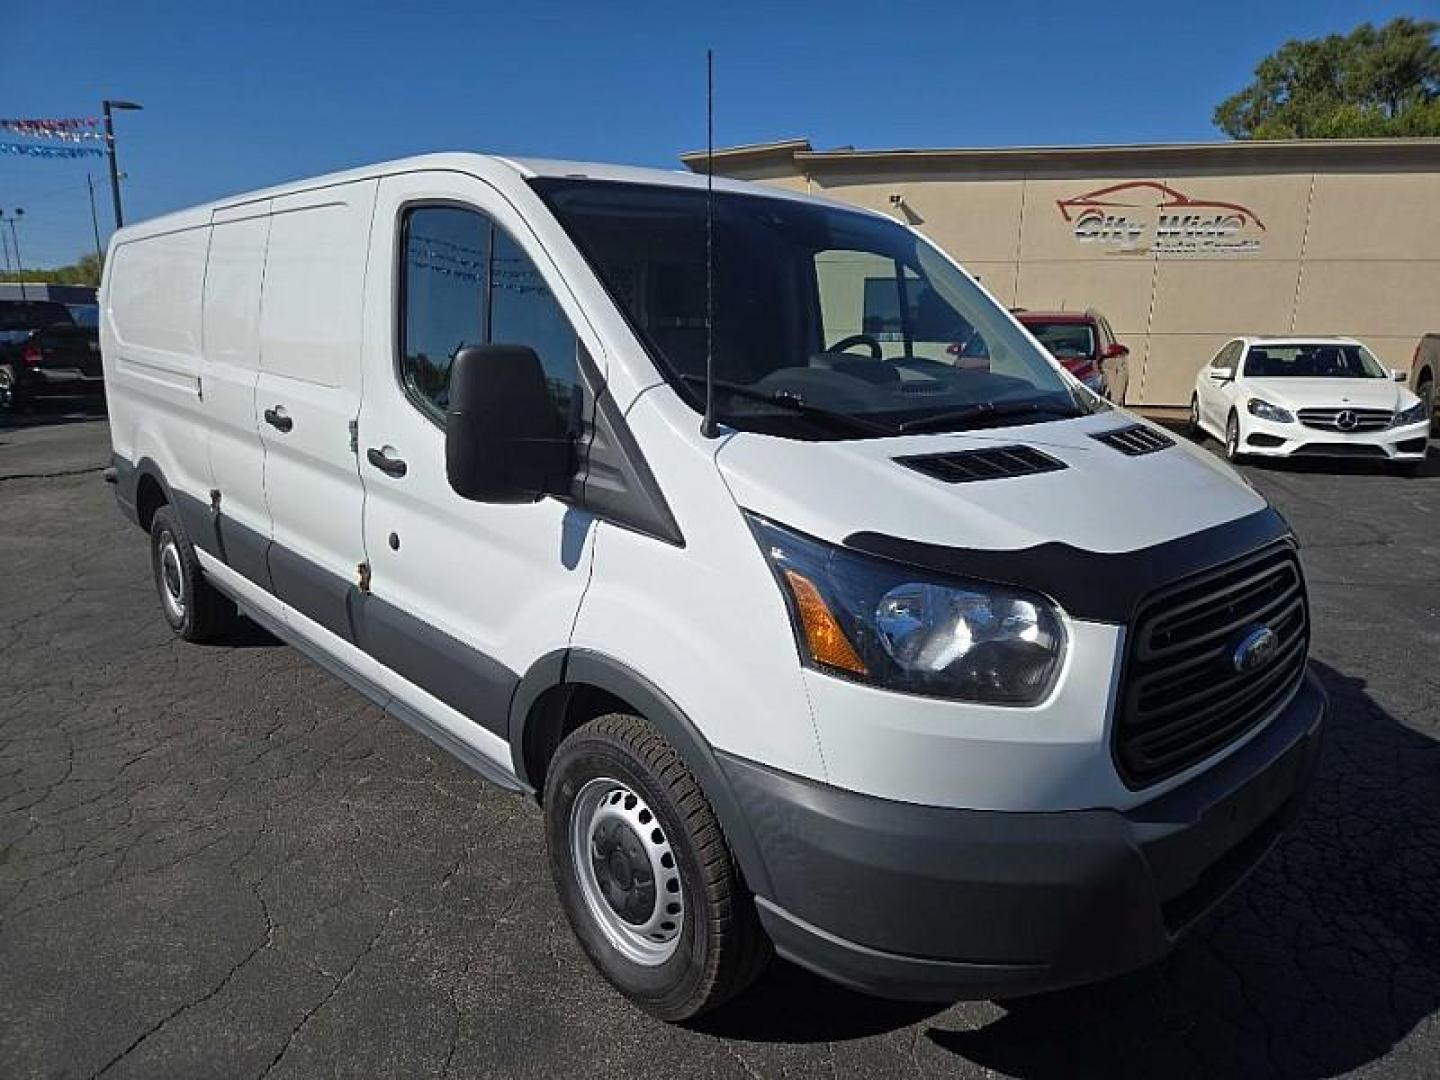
x=498, y=170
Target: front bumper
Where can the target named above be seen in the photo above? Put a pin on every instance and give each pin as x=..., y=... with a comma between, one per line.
x=1264, y=438
x=933, y=903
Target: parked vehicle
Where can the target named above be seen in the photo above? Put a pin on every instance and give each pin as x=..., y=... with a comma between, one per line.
x=44, y=354
x=939, y=682
x=1085, y=344
x=1308, y=397
x=1425, y=374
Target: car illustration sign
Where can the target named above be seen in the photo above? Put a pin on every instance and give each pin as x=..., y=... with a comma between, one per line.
x=1149, y=217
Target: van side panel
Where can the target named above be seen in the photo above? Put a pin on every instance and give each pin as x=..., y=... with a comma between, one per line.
x=231, y=317
x=308, y=394
x=151, y=344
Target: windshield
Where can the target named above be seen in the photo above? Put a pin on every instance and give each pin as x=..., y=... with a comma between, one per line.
x=817, y=310
x=1070, y=340
x=1314, y=361
x=84, y=314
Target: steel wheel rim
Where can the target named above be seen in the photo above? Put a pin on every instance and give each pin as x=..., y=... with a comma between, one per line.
x=1232, y=439
x=627, y=872
x=172, y=579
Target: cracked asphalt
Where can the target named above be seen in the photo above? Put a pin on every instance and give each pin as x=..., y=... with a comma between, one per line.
x=220, y=862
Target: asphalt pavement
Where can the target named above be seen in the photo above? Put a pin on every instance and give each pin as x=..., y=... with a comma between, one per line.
x=218, y=861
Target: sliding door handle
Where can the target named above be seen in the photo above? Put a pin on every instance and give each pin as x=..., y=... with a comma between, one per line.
x=278, y=419
x=385, y=461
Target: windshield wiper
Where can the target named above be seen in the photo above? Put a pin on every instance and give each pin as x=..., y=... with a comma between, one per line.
x=794, y=404
x=985, y=411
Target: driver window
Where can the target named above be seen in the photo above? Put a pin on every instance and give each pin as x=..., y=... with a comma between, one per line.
x=866, y=295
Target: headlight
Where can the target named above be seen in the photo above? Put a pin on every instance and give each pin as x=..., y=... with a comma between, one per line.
x=1265, y=411
x=900, y=628
x=1413, y=415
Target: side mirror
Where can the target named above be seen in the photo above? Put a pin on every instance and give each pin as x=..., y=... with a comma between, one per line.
x=1115, y=349
x=503, y=441
x=1400, y=375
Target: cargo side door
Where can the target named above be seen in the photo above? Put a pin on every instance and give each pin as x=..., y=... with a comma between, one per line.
x=308, y=397
x=231, y=337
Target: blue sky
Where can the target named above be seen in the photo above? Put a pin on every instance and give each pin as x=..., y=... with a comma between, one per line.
x=243, y=94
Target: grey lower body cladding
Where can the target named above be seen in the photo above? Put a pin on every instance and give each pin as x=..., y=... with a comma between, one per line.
x=466, y=680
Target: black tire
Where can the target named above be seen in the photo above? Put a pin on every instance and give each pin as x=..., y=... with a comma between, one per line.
x=1232, y=440
x=12, y=398
x=190, y=604
x=1426, y=393
x=1193, y=430
x=719, y=947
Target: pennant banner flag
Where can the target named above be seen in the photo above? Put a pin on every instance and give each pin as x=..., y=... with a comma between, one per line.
x=73, y=129
x=37, y=151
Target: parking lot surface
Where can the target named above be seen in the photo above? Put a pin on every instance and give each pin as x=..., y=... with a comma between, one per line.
x=218, y=861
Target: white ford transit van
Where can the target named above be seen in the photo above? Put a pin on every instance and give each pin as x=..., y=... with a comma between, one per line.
x=924, y=666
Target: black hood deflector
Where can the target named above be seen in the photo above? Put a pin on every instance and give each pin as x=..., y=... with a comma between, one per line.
x=1093, y=585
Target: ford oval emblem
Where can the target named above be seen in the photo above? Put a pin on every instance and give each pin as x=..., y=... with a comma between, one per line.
x=1255, y=650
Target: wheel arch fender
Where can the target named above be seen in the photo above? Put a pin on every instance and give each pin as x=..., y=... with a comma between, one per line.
x=580, y=668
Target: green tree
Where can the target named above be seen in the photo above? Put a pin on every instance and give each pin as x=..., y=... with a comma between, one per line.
x=1368, y=83
x=84, y=271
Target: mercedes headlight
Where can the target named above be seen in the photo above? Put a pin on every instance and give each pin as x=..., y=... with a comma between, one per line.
x=1413, y=415
x=900, y=628
x=1265, y=411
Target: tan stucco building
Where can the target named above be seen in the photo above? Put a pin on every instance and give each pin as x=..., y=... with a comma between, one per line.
x=1181, y=246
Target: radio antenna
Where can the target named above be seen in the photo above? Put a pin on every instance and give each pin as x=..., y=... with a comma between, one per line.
x=708, y=427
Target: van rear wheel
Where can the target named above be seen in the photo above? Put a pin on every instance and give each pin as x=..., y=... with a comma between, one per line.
x=644, y=873
x=192, y=606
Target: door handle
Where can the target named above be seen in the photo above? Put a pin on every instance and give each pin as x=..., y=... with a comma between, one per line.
x=390, y=466
x=277, y=419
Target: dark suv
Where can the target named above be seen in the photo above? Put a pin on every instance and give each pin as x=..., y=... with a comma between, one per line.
x=44, y=353
x=1085, y=344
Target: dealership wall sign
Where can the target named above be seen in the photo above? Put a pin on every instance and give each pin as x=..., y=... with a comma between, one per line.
x=1148, y=217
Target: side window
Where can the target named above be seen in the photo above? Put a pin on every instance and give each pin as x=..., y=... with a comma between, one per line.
x=864, y=293
x=466, y=282
x=1228, y=357
x=445, y=283
x=523, y=311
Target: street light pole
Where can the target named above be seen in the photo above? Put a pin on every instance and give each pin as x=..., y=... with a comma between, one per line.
x=108, y=105
x=16, y=215
x=95, y=223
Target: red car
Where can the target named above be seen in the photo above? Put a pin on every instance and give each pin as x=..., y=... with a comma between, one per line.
x=1085, y=344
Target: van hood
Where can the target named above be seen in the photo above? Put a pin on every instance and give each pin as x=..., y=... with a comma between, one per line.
x=1102, y=500
x=1301, y=393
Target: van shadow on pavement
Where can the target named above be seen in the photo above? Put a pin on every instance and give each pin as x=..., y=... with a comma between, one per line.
x=1322, y=962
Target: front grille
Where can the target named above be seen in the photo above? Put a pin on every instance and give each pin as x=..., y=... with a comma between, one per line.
x=1183, y=697
x=1353, y=419
x=1341, y=449
x=1135, y=439
x=990, y=464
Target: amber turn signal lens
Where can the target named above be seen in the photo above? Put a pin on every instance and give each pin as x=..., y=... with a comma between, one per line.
x=828, y=643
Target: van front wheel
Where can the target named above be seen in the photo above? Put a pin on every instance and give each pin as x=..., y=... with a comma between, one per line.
x=644, y=873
